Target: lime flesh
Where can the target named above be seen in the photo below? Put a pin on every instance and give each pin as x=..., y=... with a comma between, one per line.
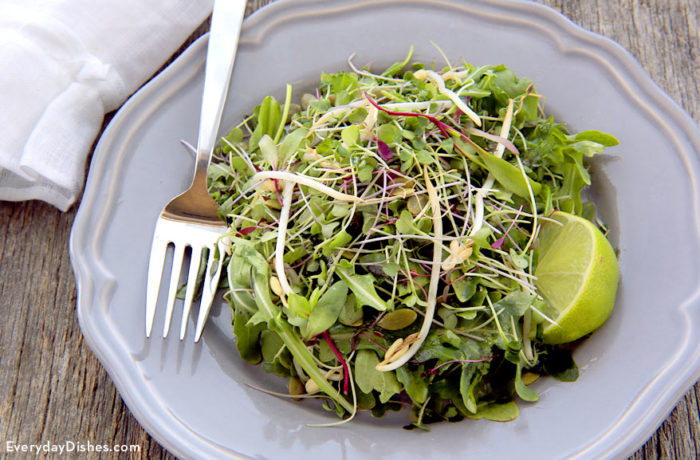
x=577, y=275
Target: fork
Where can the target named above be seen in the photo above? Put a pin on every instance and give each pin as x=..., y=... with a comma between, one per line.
x=190, y=219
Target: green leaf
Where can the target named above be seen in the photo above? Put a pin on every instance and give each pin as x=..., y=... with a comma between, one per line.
x=463, y=288
x=350, y=135
x=364, y=172
x=233, y=137
x=269, y=114
x=506, y=80
x=571, y=189
x=247, y=255
x=295, y=254
x=433, y=348
x=340, y=210
x=406, y=224
x=448, y=145
x=389, y=133
x=391, y=268
x=357, y=115
x=340, y=82
x=239, y=164
x=368, y=378
x=424, y=157
x=597, y=136
x=327, y=146
x=525, y=392
x=589, y=211
x=291, y=143
x=587, y=148
x=415, y=385
x=328, y=230
x=394, y=68
x=518, y=260
x=365, y=370
x=272, y=345
x=350, y=315
x=299, y=305
x=448, y=337
x=498, y=412
x=509, y=176
x=247, y=337
x=268, y=150
x=238, y=270
x=363, y=288
x=365, y=401
x=276, y=359
x=339, y=241
x=325, y=313
x=466, y=389
x=515, y=303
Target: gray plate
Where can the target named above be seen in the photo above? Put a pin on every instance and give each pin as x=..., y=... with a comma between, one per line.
x=194, y=399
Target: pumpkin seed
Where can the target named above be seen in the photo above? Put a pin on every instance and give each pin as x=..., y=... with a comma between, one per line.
x=398, y=319
x=296, y=387
x=530, y=378
x=416, y=203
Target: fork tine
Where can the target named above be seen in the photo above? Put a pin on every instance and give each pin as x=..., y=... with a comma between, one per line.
x=172, y=291
x=189, y=290
x=208, y=290
x=155, y=273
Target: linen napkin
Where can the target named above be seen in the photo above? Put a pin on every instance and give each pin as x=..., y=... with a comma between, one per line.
x=63, y=65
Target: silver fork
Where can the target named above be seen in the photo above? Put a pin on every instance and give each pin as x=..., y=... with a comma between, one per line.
x=190, y=219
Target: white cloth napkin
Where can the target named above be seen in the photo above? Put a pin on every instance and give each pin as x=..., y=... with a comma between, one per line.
x=63, y=65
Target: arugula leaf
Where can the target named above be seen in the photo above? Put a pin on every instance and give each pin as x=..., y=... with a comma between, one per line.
x=414, y=383
x=325, y=313
x=509, y=176
x=598, y=137
x=247, y=337
x=397, y=66
x=362, y=286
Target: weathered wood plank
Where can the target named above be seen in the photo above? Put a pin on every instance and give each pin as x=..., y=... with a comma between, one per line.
x=53, y=389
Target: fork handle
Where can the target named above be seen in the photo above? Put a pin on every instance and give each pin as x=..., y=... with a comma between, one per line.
x=226, y=21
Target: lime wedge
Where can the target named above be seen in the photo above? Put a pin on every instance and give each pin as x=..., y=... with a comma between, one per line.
x=577, y=276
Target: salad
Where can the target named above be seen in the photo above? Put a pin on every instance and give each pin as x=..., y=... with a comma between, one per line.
x=385, y=237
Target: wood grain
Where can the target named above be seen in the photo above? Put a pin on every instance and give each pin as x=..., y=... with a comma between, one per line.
x=53, y=389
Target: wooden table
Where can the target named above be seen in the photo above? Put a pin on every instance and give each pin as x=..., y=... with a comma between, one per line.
x=53, y=389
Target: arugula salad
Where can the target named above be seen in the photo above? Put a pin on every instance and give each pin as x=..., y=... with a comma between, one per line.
x=384, y=235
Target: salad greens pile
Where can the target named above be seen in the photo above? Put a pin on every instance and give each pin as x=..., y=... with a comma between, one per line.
x=382, y=238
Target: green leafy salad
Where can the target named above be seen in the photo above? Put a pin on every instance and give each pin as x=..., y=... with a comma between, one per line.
x=385, y=235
